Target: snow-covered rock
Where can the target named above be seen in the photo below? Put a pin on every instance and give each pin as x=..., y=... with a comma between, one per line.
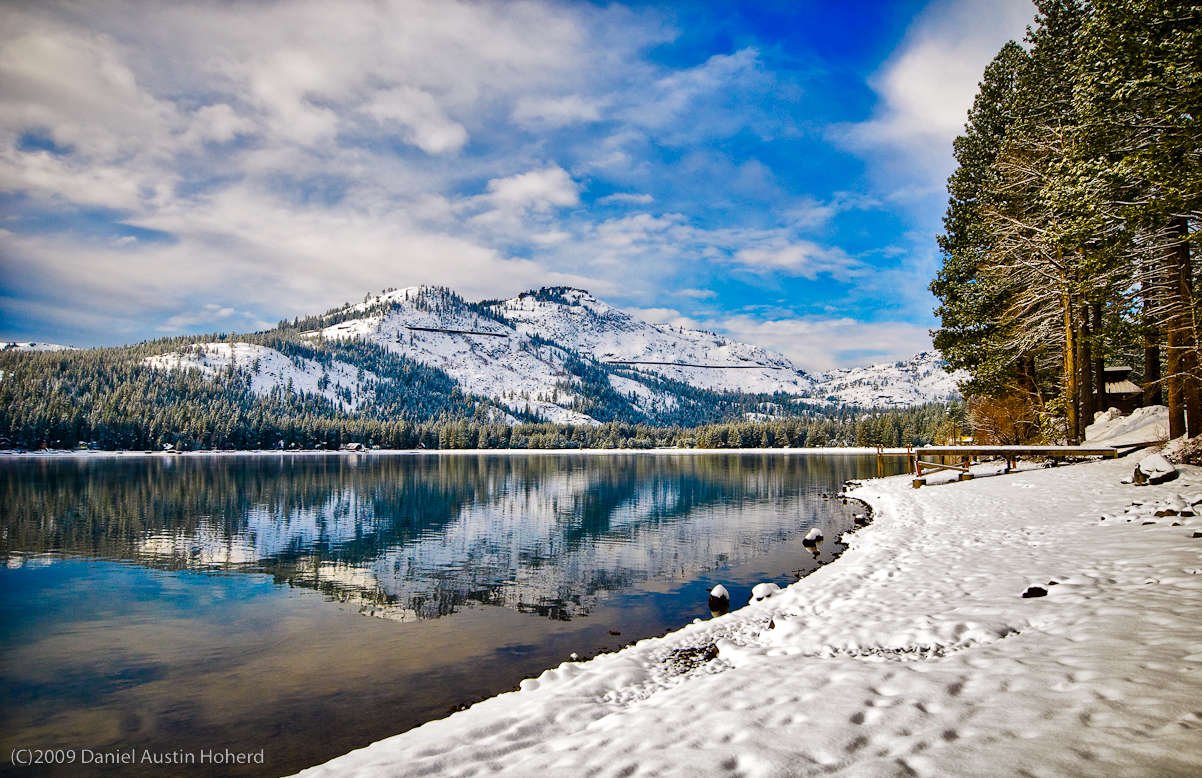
x=1154, y=469
x=813, y=536
x=763, y=591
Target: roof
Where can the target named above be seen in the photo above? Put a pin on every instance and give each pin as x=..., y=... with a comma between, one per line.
x=1121, y=387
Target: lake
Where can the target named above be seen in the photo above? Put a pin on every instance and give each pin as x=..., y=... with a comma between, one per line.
x=307, y=605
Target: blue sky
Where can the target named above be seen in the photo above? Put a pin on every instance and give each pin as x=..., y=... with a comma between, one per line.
x=771, y=170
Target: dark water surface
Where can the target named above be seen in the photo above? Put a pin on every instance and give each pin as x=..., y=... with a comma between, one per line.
x=309, y=605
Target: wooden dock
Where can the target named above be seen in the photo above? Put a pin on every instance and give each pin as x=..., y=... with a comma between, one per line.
x=966, y=455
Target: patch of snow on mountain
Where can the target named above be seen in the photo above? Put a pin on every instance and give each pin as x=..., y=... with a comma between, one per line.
x=577, y=320
x=644, y=397
x=269, y=369
x=33, y=346
x=920, y=379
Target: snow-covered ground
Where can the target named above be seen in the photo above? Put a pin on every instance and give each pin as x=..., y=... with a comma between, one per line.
x=1143, y=425
x=914, y=653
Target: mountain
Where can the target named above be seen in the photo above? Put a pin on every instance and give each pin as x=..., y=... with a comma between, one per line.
x=414, y=366
x=920, y=379
x=576, y=319
x=555, y=354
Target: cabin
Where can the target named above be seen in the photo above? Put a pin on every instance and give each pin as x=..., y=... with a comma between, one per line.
x=1119, y=391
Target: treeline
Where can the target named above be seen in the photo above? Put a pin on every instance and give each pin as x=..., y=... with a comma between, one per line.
x=1071, y=233
x=109, y=399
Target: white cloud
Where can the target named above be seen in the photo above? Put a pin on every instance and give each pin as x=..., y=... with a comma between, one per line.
x=803, y=258
x=423, y=122
x=539, y=191
x=630, y=198
x=555, y=111
x=216, y=124
x=928, y=85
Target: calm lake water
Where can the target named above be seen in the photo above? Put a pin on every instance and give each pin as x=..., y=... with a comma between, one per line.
x=309, y=605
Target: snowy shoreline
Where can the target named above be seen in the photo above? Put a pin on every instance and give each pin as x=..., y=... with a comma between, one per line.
x=857, y=450
x=914, y=652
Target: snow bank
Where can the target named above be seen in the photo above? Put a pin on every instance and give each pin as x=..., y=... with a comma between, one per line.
x=1144, y=425
x=915, y=652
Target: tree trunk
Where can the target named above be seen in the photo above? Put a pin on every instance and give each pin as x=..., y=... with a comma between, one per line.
x=1085, y=368
x=1153, y=393
x=1099, y=358
x=1070, y=368
x=1173, y=382
x=1187, y=336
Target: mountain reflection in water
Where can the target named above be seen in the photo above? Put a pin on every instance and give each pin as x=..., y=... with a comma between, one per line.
x=417, y=537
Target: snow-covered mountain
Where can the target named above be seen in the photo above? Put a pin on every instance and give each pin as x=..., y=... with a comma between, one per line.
x=914, y=381
x=556, y=354
x=576, y=319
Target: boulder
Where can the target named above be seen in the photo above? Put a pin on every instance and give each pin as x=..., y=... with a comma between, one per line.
x=812, y=537
x=1154, y=469
x=763, y=591
x=719, y=600
x=1035, y=591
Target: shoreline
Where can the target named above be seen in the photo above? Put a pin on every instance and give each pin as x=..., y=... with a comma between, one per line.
x=87, y=453
x=916, y=645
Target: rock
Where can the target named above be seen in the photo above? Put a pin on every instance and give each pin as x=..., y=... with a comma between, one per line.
x=1035, y=591
x=1197, y=534
x=812, y=537
x=763, y=591
x=614, y=632
x=1153, y=469
x=719, y=600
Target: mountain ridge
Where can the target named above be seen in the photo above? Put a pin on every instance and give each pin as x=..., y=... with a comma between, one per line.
x=558, y=354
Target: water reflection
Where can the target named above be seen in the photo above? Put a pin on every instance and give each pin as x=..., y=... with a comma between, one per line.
x=410, y=538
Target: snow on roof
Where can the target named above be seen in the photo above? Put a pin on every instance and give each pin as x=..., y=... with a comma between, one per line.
x=1121, y=387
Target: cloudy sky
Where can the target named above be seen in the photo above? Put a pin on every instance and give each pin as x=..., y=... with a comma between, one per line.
x=776, y=174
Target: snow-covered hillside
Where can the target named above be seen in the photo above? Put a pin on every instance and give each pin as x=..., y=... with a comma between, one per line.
x=553, y=354
x=342, y=384
x=32, y=346
x=503, y=364
x=579, y=321
x=914, y=381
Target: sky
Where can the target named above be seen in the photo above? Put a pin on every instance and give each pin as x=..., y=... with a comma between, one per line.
x=773, y=171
